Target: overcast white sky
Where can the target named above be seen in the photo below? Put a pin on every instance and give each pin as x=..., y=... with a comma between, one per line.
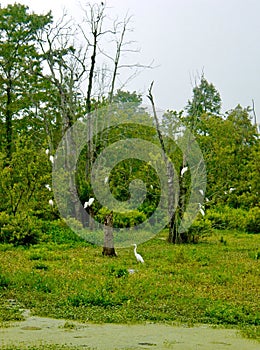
x=184, y=37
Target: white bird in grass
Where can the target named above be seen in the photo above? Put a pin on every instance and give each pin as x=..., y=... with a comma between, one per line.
x=51, y=202
x=138, y=256
x=52, y=159
x=47, y=151
x=89, y=203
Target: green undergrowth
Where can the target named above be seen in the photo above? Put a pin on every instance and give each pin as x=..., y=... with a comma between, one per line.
x=215, y=281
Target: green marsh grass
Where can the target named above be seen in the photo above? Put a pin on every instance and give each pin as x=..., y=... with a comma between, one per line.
x=209, y=282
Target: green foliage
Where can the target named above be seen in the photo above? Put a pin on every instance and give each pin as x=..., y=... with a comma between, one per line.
x=19, y=229
x=127, y=97
x=227, y=218
x=19, y=69
x=223, y=313
x=206, y=100
x=36, y=109
x=199, y=229
x=230, y=218
x=58, y=232
x=4, y=281
x=252, y=224
x=22, y=181
x=119, y=272
x=129, y=218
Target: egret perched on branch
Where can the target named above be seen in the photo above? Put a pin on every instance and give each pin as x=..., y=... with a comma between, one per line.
x=183, y=170
x=201, y=209
x=89, y=203
x=48, y=187
x=138, y=256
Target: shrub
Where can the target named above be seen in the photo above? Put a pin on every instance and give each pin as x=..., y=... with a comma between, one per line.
x=200, y=228
x=252, y=224
x=19, y=229
x=217, y=219
x=4, y=281
x=129, y=218
x=240, y=219
x=57, y=231
x=227, y=218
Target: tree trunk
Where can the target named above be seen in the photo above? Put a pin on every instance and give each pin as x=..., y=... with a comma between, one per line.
x=9, y=127
x=108, y=248
x=173, y=236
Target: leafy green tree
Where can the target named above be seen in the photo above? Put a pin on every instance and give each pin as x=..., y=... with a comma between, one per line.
x=25, y=190
x=19, y=67
x=122, y=96
x=232, y=170
x=23, y=181
x=205, y=100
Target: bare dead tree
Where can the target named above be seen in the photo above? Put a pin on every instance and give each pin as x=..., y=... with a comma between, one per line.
x=64, y=67
x=94, y=18
x=61, y=65
x=119, y=45
x=254, y=113
x=123, y=47
x=173, y=225
x=73, y=67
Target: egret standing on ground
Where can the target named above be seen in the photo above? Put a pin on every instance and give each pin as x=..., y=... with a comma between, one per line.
x=138, y=256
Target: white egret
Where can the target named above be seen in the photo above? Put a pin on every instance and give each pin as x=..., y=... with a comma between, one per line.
x=201, y=209
x=48, y=187
x=183, y=170
x=89, y=203
x=106, y=180
x=52, y=159
x=51, y=202
x=47, y=151
x=201, y=192
x=138, y=256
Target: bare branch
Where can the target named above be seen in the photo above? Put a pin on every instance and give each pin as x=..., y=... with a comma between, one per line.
x=254, y=113
x=150, y=97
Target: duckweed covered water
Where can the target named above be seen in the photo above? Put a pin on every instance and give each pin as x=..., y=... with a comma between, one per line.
x=37, y=331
